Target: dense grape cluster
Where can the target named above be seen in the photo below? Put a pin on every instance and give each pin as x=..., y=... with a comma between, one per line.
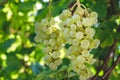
x=47, y=32
x=77, y=31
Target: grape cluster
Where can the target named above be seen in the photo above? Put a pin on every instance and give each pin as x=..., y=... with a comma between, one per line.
x=74, y=29
x=77, y=31
x=47, y=32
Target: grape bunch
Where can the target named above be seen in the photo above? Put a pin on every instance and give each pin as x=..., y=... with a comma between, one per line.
x=78, y=32
x=48, y=33
x=75, y=29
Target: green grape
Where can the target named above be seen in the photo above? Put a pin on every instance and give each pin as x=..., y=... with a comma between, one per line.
x=95, y=43
x=93, y=14
x=45, y=42
x=66, y=31
x=37, y=39
x=89, y=59
x=52, y=66
x=51, y=42
x=79, y=35
x=85, y=53
x=65, y=14
x=75, y=18
x=47, y=49
x=55, y=54
x=75, y=42
x=93, y=20
x=79, y=24
x=58, y=61
x=44, y=29
x=85, y=44
x=80, y=11
x=87, y=22
x=72, y=33
x=37, y=27
x=44, y=22
x=47, y=58
x=82, y=77
x=69, y=22
x=73, y=27
x=81, y=59
x=52, y=21
x=90, y=32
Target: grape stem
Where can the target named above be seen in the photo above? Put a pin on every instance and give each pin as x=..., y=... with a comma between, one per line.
x=73, y=6
x=50, y=13
x=78, y=3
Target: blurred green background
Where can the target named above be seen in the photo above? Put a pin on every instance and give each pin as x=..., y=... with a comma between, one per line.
x=21, y=58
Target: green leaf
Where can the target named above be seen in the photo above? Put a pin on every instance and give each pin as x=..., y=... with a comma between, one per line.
x=59, y=6
x=117, y=36
x=98, y=53
x=28, y=50
x=66, y=61
x=42, y=13
x=4, y=46
x=37, y=68
x=107, y=42
x=117, y=5
x=2, y=19
x=13, y=63
x=56, y=9
x=76, y=77
x=67, y=45
x=101, y=8
x=109, y=26
x=26, y=6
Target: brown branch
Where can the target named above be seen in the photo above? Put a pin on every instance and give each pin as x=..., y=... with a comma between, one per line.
x=111, y=68
x=113, y=56
x=65, y=73
x=3, y=2
x=104, y=66
x=112, y=48
x=112, y=6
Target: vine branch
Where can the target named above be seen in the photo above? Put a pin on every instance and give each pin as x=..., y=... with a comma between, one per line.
x=3, y=2
x=108, y=56
x=104, y=66
x=111, y=68
x=78, y=3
